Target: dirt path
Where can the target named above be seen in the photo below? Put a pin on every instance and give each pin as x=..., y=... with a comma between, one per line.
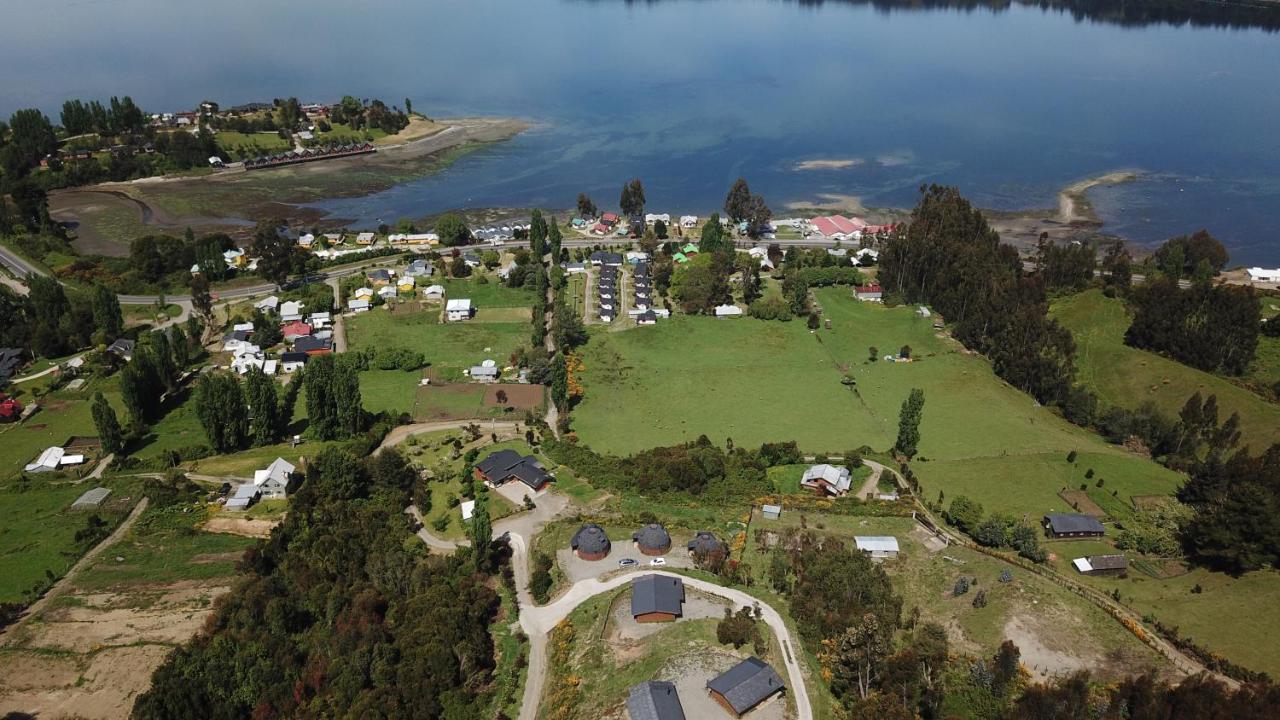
x=869, y=486
x=404, y=432
x=61, y=586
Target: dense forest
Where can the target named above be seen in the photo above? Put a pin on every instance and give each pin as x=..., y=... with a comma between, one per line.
x=1211, y=327
x=339, y=616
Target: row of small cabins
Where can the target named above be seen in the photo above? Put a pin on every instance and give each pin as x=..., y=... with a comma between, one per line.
x=293, y=157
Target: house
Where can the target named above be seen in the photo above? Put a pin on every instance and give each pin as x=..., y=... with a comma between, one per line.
x=1101, y=565
x=293, y=360
x=312, y=345
x=680, y=258
x=636, y=257
x=234, y=258
x=472, y=261
x=273, y=482
x=379, y=277
x=689, y=249
x=591, y=542
x=923, y=312
x=506, y=465
x=657, y=598
x=838, y=227
x=1072, y=525
x=10, y=408
x=600, y=228
x=244, y=327
x=468, y=509
x=51, y=459
x=867, y=256
x=244, y=496
x=319, y=320
x=745, y=685
x=826, y=479
x=269, y=303
x=235, y=341
x=654, y=700
x=91, y=499
x=652, y=539
x=364, y=238
x=122, y=348
x=869, y=293
x=609, y=219
x=724, y=311
x=771, y=512
x=11, y=360
x=406, y=284
x=505, y=271
x=574, y=268
x=1264, y=275
x=688, y=221
x=877, y=546
x=647, y=318
x=607, y=259
x=306, y=240
x=433, y=292
x=651, y=218
x=419, y=268
x=358, y=305
x=705, y=543
x=294, y=330
x=458, y=309
x=387, y=292
x=363, y=293
x=484, y=373
x=291, y=310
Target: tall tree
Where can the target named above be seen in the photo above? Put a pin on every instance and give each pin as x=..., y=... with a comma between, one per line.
x=452, y=230
x=221, y=408
x=201, y=299
x=140, y=385
x=481, y=532
x=737, y=203
x=632, y=200
x=107, y=315
x=587, y=207
x=349, y=408
x=274, y=252
x=264, y=408
x=554, y=241
x=537, y=235
x=909, y=423
x=107, y=425
x=47, y=307
x=322, y=419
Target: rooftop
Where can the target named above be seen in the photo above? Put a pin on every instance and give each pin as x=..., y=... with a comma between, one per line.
x=747, y=684
x=657, y=594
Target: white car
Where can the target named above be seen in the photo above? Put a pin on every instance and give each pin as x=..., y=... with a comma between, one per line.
x=658, y=562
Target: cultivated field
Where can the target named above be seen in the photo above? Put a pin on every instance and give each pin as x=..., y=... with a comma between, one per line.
x=1128, y=377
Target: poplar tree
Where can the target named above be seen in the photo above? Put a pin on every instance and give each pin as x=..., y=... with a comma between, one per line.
x=106, y=313
x=321, y=410
x=221, y=407
x=909, y=423
x=264, y=406
x=481, y=535
x=108, y=426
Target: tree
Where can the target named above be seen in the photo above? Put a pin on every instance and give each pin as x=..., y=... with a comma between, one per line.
x=274, y=252
x=909, y=423
x=140, y=384
x=854, y=657
x=964, y=513
x=264, y=408
x=1211, y=327
x=714, y=239
x=31, y=138
x=700, y=286
x=758, y=217
x=107, y=425
x=481, y=533
x=221, y=408
x=1005, y=667
x=452, y=230
x=501, y=397
x=632, y=199
x=737, y=204
x=587, y=207
x=349, y=405
x=1117, y=267
x=47, y=307
x=322, y=418
x=106, y=313
x=1179, y=256
x=201, y=300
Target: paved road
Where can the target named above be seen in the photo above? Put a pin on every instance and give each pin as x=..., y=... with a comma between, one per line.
x=61, y=586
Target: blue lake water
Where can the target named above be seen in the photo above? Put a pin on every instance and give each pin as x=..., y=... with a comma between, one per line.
x=690, y=94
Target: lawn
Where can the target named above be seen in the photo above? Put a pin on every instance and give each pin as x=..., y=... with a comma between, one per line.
x=447, y=346
x=1128, y=377
x=37, y=528
x=250, y=144
x=489, y=293
x=786, y=478
x=63, y=413
x=242, y=464
x=137, y=314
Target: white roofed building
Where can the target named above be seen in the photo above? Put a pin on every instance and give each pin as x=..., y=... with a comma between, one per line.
x=878, y=546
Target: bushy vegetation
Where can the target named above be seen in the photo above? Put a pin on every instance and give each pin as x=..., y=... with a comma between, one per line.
x=1211, y=327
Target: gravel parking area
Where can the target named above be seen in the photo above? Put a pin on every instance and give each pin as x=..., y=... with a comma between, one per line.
x=576, y=568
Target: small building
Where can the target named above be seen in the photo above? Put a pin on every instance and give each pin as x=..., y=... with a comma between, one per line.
x=472, y=260
x=771, y=512
x=458, y=309
x=636, y=257
x=54, y=458
x=1072, y=525
x=388, y=292
x=10, y=408
x=364, y=238
x=652, y=539
x=877, y=546
x=606, y=259
x=484, y=373
x=268, y=303
x=468, y=509
x=657, y=598
x=419, y=268
x=869, y=293
x=705, y=543
x=293, y=360
x=10, y=361
x=312, y=345
x=923, y=312
x=591, y=542
x=827, y=479
x=506, y=465
x=291, y=310
x=505, y=271
x=273, y=482
x=1101, y=565
x=688, y=221
x=647, y=317
x=745, y=685
x=728, y=311
x=433, y=292
x=358, y=305
x=574, y=268
x=380, y=277
x=91, y=499
x=1264, y=275
x=294, y=330
x=654, y=700
x=122, y=348
x=306, y=240
x=244, y=496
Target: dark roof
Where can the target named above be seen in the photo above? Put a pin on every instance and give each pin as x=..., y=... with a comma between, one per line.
x=10, y=361
x=509, y=463
x=590, y=538
x=1073, y=523
x=240, y=335
x=703, y=541
x=606, y=257
x=656, y=593
x=380, y=274
x=652, y=535
x=310, y=342
x=293, y=356
x=747, y=684
x=654, y=700
x=648, y=315
x=122, y=346
x=1108, y=562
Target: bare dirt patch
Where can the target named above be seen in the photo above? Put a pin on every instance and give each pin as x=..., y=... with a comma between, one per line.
x=1042, y=654
x=102, y=685
x=519, y=396
x=248, y=527
x=1081, y=501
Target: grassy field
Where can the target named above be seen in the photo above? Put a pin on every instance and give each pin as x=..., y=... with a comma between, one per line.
x=786, y=478
x=138, y=314
x=491, y=293
x=1128, y=377
x=63, y=413
x=250, y=144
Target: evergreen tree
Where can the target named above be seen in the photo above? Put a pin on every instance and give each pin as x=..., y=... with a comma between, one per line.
x=348, y=407
x=162, y=357
x=221, y=408
x=47, y=306
x=274, y=252
x=321, y=406
x=537, y=235
x=264, y=408
x=106, y=313
x=180, y=347
x=201, y=300
x=554, y=241
x=738, y=203
x=481, y=532
x=587, y=207
x=140, y=384
x=107, y=425
x=909, y=423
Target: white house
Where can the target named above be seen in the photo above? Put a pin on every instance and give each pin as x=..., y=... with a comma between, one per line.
x=52, y=459
x=574, y=268
x=458, y=309
x=468, y=508
x=433, y=292
x=319, y=320
x=652, y=218
x=505, y=270
x=827, y=479
x=290, y=310
x=270, y=302
x=877, y=546
x=364, y=238
x=358, y=305
x=635, y=257
x=724, y=311
x=661, y=312
x=1264, y=275
x=274, y=481
x=363, y=293
x=386, y=292
x=306, y=240
x=242, y=327
x=688, y=221
x=233, y=257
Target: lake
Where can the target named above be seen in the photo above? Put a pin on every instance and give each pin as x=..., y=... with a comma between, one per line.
x=1010, y=105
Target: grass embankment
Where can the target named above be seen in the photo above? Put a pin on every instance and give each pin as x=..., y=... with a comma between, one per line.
x=1128, y=377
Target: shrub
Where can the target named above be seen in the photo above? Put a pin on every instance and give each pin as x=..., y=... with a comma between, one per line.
x=961, y=587
x=980, y=599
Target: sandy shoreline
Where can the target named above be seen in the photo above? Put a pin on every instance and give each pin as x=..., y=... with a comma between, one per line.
x=828, y=164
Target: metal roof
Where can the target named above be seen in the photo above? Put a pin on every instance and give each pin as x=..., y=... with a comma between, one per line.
x=654, y=700
x=657, y=593
x=747, y=684
x=590, y=538
x=877, y=543
x=1073, y=523
x=91, y=498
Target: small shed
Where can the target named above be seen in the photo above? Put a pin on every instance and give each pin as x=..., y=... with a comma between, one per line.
x=468, y=508
x=91, y=499
x=1101, y=565
x=878, y=546
x=771, y=512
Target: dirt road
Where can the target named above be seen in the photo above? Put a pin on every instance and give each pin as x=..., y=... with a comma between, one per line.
x=404, y=432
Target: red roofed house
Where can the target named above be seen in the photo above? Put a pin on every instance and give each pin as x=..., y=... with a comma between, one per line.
x=609, y=219
x=869, y=293
x=294, y=330
x=10, y=409
x=838, y=226
x=600, y=229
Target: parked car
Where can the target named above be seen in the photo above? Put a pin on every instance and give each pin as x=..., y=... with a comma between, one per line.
x=626, y=562
x=657, y=562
